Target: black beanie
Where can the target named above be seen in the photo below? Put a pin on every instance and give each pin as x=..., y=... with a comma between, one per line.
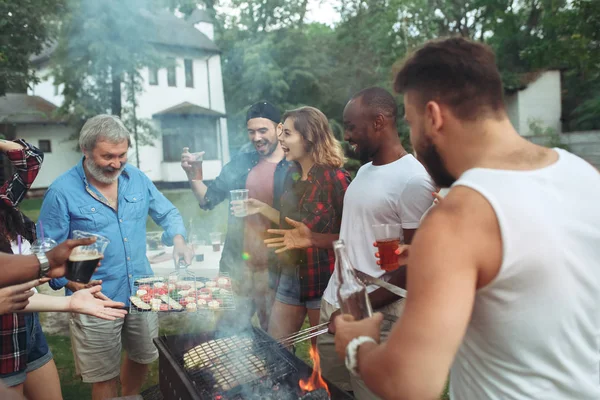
x=262, y=109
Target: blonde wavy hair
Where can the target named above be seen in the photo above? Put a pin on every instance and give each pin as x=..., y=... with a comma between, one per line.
x=320, y=142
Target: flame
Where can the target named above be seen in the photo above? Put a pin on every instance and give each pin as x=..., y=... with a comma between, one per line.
x=315, y=381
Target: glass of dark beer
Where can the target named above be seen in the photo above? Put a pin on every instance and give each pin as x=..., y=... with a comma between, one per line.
x=84, y=260
x=388, y=240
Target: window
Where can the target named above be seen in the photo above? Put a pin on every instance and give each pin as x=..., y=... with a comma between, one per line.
x=171, y=77
x=197, y=133
x=45, y=146
x=189, y=73
x=153, y=76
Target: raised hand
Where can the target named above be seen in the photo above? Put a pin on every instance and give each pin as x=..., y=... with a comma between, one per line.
x=93, y=302
x=300, y=237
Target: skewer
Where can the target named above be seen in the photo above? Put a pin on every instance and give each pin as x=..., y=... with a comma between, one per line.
x=307, y=336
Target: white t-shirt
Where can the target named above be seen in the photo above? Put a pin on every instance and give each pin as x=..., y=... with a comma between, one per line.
x=395, y=193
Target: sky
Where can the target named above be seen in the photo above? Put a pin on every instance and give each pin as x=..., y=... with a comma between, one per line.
x=323, y=11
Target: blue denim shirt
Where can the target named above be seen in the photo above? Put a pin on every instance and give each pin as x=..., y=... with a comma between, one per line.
x=71, y=203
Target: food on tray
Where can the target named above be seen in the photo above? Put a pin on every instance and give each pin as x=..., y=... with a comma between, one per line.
x=155, y=303
x=151, y=279
x=141, y=293
x=160, y=285
x=172, y=303
x=223, y=282
x=164, y=307
x=183, y=293
x=204, y=294
x=201, y=303
x=210, y=284
x=160, y=292
x=199, y=285
x=183, y=285
x=190, y=299
x=172, y=287
x=146, y=298
x=137, y=302
x=191, y=307
x=214, y=304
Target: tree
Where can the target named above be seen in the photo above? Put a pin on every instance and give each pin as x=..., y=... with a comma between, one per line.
x=100, y=42
x=26, y=26
x=102, y=48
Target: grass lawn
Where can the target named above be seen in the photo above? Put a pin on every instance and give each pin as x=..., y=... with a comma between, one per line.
x=204, y=223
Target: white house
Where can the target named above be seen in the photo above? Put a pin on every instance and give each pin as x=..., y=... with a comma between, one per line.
x=537, y=99
x=185, y=102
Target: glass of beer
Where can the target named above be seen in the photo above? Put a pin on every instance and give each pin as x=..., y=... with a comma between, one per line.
x=239, y=198
x=84, y=260
x=196, y=163
x=388, y=240
x=215, y=240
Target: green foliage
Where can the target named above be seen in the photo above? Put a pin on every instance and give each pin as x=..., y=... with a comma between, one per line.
x=553, y=138
x=26, y=26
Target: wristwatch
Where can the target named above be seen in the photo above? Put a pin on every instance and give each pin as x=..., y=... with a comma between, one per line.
x=44, y=264
x=352, y=352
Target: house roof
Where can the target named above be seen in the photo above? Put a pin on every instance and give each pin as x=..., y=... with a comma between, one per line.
x=525, y=79
x=187, y=108
x=20, y=108
x=169, y=30
x=199, y=15
x=172, y=31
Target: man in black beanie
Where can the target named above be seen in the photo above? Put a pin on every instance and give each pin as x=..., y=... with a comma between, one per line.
x=261, y=170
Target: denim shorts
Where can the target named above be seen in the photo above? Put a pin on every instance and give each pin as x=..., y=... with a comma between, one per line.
x=38, y=352
x=288, y=290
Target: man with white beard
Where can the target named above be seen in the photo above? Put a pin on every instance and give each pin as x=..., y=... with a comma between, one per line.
x=105, y=195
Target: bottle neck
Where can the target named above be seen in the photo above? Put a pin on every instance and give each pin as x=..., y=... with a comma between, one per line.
x=345, y=270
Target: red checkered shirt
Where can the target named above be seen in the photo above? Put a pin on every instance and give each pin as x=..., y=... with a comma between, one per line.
x=316, y=202
x=13, y=336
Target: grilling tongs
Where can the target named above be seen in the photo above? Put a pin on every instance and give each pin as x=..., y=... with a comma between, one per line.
x=320, y=329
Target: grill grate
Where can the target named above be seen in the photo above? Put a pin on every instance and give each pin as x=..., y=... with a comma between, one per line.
x=224, y=364
x=250, y=365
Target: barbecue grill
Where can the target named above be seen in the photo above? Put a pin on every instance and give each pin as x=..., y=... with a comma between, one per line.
x=247, y=365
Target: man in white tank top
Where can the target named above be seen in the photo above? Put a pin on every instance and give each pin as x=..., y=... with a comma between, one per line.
x=504, y=274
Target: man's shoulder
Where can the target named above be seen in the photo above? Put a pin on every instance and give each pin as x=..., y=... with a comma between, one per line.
x=66, y=180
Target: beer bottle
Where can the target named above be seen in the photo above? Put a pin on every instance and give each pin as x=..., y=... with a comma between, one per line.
x=352, y=293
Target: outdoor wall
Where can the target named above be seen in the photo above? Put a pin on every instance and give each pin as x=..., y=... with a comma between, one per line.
x=511, y=102
x=585, y=144
x=63, y=155
x=540, y=101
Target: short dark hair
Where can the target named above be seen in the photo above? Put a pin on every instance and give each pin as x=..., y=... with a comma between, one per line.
x=457, y=72
x=263, y=109
x=379, y=100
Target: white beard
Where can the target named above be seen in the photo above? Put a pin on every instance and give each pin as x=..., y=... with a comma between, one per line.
x=99, y=174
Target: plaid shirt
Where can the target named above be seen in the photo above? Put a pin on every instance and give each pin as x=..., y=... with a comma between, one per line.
x=316, y=202
x=13, y=334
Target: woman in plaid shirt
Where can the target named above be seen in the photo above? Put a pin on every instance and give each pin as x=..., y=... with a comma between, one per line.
x=313, y=195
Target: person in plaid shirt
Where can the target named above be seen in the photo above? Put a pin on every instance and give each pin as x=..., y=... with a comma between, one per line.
x=24, y=353
x=17, y=329
x=313, y=198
